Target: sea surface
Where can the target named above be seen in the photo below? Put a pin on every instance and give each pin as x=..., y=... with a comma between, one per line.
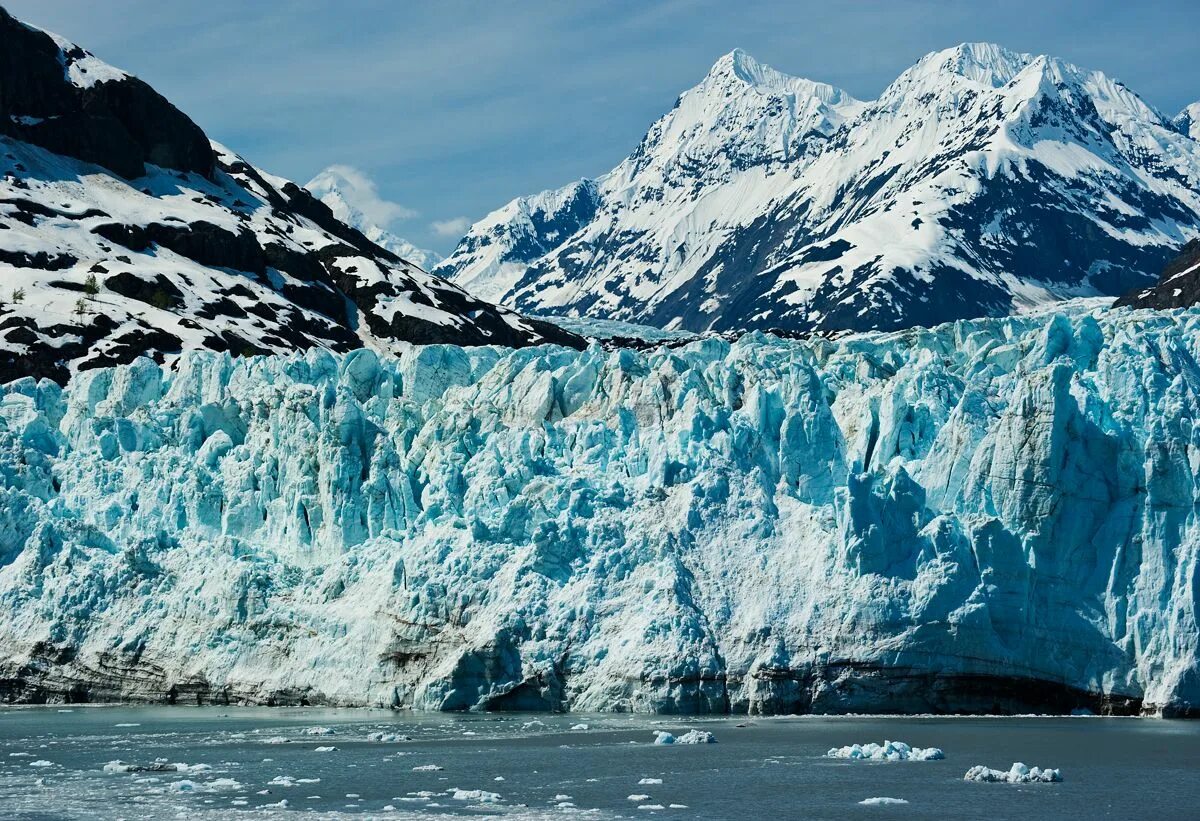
x=324, y=764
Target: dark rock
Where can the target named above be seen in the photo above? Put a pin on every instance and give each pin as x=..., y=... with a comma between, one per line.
x=1178, y=286
x=119, y=124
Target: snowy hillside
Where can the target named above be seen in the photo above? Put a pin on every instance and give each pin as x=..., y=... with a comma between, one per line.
x=980, y=182
x=341, y=192
x=991, y=515
x=124, y=231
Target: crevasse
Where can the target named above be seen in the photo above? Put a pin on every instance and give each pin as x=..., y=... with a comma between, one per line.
x=991, y=515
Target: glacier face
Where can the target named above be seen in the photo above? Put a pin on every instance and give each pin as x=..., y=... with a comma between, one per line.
x=995, y=514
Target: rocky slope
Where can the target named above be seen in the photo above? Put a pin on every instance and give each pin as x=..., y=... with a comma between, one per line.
x=981, y=182
x=125, y=231
x=1178, y=286
x=994, y=515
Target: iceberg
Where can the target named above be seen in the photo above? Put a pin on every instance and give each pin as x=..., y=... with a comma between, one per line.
x=1018, y=774
x=888, y=751
x=996, y=515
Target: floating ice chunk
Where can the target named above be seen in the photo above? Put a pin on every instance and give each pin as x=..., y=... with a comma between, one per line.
x=184, y=786
x=579, y=726
x=888, y=751
x=650, y=781
x=20, y=755
x=432, y=768
x=282, y=804
x=565, y=805
x=677, y=806
x=651, y=807
x=498, y=778
x=661, y=737
x=282, y=781
x=882, y=801
x=127, y=724
x=638, y=797
x=1017, y=774
x=276, y=739
x=224, y=784
x=326, y=749
x=387, y=738
x=562, y=797
x=481, y=796
x=41, y=762
x=697, y=737
x=318, y=731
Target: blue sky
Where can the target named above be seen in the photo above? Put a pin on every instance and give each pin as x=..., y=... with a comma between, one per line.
x=455, y=107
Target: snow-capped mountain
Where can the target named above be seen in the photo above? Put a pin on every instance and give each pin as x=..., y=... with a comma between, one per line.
x=992, y=515
x=1188, y=121
x=338, y=190
x=981, y=182
x=125, y=231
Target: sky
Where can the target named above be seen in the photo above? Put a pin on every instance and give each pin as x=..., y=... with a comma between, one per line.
x=449, y=109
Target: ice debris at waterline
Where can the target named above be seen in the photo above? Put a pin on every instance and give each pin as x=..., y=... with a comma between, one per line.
x=1018, y=774
x=882, y=801
x=888, y=751
x=690, y=737
x=993, y=515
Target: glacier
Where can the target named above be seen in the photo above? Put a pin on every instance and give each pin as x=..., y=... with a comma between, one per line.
x=993, y=515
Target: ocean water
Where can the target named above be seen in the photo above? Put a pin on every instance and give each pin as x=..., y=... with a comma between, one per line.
x=52, y=765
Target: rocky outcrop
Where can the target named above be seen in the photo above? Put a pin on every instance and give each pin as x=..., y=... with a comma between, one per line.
x=1178, y=286
x=55, y=95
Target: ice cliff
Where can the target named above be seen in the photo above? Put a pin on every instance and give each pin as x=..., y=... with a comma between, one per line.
x=992, y=515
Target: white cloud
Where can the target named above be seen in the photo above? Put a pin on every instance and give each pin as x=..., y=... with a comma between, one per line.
x=358, y=192
x=453, y=227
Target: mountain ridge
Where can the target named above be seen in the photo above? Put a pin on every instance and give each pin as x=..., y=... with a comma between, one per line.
x=125, y=231
x=745, y=208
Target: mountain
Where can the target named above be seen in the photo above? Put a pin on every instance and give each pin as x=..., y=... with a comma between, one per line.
x=981, y=182
x=996, y=515
x=125, y=231
x=339, y=190
x=1188, y=121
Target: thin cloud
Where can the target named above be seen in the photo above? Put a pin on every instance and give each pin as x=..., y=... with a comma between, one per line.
x=454, y=227
x=360, y=193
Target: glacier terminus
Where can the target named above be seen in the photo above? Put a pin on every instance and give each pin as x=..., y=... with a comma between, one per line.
x=992, y=515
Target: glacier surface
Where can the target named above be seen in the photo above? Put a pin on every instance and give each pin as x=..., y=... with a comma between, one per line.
x=990, y=515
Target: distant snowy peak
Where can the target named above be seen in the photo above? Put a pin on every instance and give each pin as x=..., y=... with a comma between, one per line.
x=125, y=232
x=771, y=202
x=341, y=193
x=493, y=257
x=984, y=64
x=1188, y=121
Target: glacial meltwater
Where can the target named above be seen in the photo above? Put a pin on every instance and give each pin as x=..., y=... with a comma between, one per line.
x=212, y=762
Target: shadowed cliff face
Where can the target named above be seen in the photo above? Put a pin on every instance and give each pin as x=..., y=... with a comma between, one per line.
x=991, y=516
x=1178, y=286
x=49, y=99
x=124, y=232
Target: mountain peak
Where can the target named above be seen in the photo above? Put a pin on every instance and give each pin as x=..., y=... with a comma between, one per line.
x=984, y=63
x=742, y=70
x=1188, y=121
